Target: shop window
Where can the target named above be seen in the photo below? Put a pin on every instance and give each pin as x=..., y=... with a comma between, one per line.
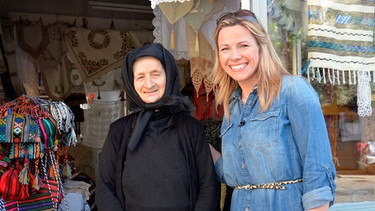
x=351, y=130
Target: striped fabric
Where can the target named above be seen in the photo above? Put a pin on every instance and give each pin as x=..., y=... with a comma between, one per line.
x=340, y=45
x=47, y=198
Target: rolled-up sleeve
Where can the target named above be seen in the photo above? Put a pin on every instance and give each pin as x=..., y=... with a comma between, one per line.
x=311, y=136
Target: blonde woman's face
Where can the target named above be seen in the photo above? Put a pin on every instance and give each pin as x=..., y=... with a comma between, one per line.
x=239, y=54
x=149, y=79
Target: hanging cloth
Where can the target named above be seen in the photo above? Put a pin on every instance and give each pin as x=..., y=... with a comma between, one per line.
x=56, y=80
x=54, y=65
x=162, y=32
x=56, y=48
x=35, y=44
x=96, y=51
x=195, y=19
x=174, y=11
x=24, y=66
x=341, y=46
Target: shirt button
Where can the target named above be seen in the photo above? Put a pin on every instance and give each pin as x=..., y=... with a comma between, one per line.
x=243, y=166
x=239, y=143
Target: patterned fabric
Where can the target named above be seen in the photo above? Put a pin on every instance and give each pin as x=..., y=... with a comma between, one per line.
x=97, y=121
x=16, y=128
x=341, y=46
x=96, y=52
x=25, y=183
x=35, y=44
x=20, y=150
x=47, y=198
x=18, y=125
x=10, y=186
x=2, y=206
x=3, y=123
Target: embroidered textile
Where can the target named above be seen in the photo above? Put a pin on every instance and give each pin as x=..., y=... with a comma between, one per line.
x=96, y=52
x=341, y=46
x=56, y=48
x=56, y=80
x=35, y=44
x=29, y=139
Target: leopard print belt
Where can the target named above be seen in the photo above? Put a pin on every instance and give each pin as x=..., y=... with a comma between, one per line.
x=275, y=185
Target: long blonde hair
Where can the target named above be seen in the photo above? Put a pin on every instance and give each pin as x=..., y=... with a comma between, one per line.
x=270, y=68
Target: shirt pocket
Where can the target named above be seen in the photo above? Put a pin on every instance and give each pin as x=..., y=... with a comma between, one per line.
x=263, y=131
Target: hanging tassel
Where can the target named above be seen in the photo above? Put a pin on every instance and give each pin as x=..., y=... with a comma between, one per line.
x=196, y=42
x=66, y=170
x=172, y=39
x=36, y=181
x=23, y=179
x=24, y=175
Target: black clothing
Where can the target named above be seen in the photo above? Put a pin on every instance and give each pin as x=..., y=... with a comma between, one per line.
x=191, y=159
x=202, y=176
x=160, y=161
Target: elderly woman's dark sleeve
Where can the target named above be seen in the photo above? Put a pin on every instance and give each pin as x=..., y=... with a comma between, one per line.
x=208, y=185
x=105, y=196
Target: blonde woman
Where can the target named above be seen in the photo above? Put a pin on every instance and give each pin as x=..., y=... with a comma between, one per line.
x=275, y=148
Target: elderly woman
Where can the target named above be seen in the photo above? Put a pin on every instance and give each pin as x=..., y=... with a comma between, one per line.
x=157, y=158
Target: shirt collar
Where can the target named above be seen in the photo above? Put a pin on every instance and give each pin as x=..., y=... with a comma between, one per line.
x=238, y=92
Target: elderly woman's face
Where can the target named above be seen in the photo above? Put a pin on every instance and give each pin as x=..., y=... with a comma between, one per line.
x=149, y=79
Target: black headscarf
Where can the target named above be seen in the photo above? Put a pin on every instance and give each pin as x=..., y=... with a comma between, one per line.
x=172, y=100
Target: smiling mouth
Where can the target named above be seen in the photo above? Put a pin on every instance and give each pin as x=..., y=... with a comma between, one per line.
x=150, y=92
x=238, y=67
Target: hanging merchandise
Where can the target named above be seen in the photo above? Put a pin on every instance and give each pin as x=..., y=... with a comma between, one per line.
x=33, y=45
x=340, y=46
x=174, y=11
x=162, y=31
x=96, y=52
x=54, y=65
x=201, y=26
x=33, y=131
x=195, y=19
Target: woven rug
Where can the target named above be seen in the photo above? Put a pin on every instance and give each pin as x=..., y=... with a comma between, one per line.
x=97, y=51
x=341, y=46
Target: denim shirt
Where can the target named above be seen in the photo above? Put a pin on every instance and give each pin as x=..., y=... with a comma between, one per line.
x=286, y=142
